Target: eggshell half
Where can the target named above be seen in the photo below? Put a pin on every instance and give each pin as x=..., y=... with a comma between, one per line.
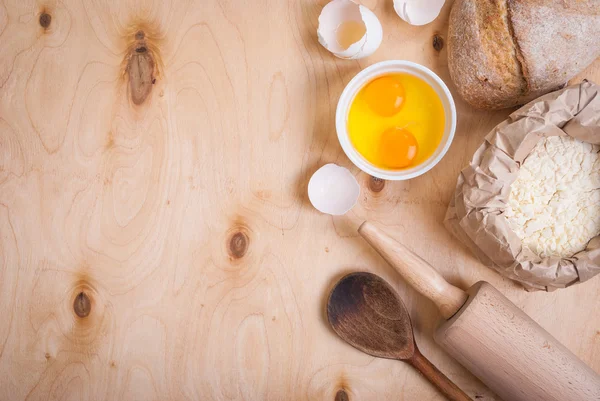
x=339, y=11
x=333, y=190
x=418, y=12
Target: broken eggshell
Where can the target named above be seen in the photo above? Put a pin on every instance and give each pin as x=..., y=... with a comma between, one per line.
x=418, y=12
x=338, y=12
x=333, y=190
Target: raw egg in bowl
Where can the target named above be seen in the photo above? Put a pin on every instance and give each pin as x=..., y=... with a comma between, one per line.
x=396, y=120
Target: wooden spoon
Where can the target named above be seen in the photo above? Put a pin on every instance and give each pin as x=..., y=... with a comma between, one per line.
x=368, y=314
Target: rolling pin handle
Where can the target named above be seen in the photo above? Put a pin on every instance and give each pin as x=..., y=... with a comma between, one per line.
x=417, y=272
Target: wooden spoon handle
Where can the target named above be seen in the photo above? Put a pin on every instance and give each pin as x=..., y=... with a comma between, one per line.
x=437, y=378
x=417, y=272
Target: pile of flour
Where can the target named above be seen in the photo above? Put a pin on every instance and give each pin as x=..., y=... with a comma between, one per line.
x=554, y=204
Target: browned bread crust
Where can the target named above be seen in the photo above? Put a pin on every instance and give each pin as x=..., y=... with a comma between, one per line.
x=503, y=53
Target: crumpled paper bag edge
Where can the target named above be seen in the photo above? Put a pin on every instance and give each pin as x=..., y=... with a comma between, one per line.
x=573, y=111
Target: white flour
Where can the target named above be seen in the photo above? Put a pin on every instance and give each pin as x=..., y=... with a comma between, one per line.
x=554, y=204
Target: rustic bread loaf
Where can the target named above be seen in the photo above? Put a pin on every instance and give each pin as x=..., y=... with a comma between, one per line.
x=503, y=53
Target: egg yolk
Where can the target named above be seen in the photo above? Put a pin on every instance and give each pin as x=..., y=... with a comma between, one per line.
x=385, y=96
x=398, y=148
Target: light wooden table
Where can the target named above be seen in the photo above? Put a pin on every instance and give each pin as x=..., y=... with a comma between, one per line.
x=185, y=222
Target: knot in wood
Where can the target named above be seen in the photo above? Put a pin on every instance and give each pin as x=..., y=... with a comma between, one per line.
x=82, y=305
x=141, y=74
x=238, y=245
x=341, y=395
x=376, y=184
x=45, y=20
x=438, y=42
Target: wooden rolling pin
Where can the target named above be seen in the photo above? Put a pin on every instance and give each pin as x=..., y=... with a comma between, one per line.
x=490, y=336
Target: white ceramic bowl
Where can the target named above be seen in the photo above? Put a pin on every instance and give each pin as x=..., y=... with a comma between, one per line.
x=366, y=76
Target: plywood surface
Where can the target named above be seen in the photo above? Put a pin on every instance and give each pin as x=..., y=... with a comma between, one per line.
x=167, y=250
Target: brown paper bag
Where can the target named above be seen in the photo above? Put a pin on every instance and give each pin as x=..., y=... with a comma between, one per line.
x=475, y=214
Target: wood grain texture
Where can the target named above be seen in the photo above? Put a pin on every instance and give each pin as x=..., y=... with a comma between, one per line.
x=437, y=378
x=184, y=219
x=368, y=314
x=487, y=334
x=419, y=274
x=524, y=362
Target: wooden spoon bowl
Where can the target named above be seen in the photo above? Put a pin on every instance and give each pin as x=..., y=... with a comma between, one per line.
x=368, y=314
